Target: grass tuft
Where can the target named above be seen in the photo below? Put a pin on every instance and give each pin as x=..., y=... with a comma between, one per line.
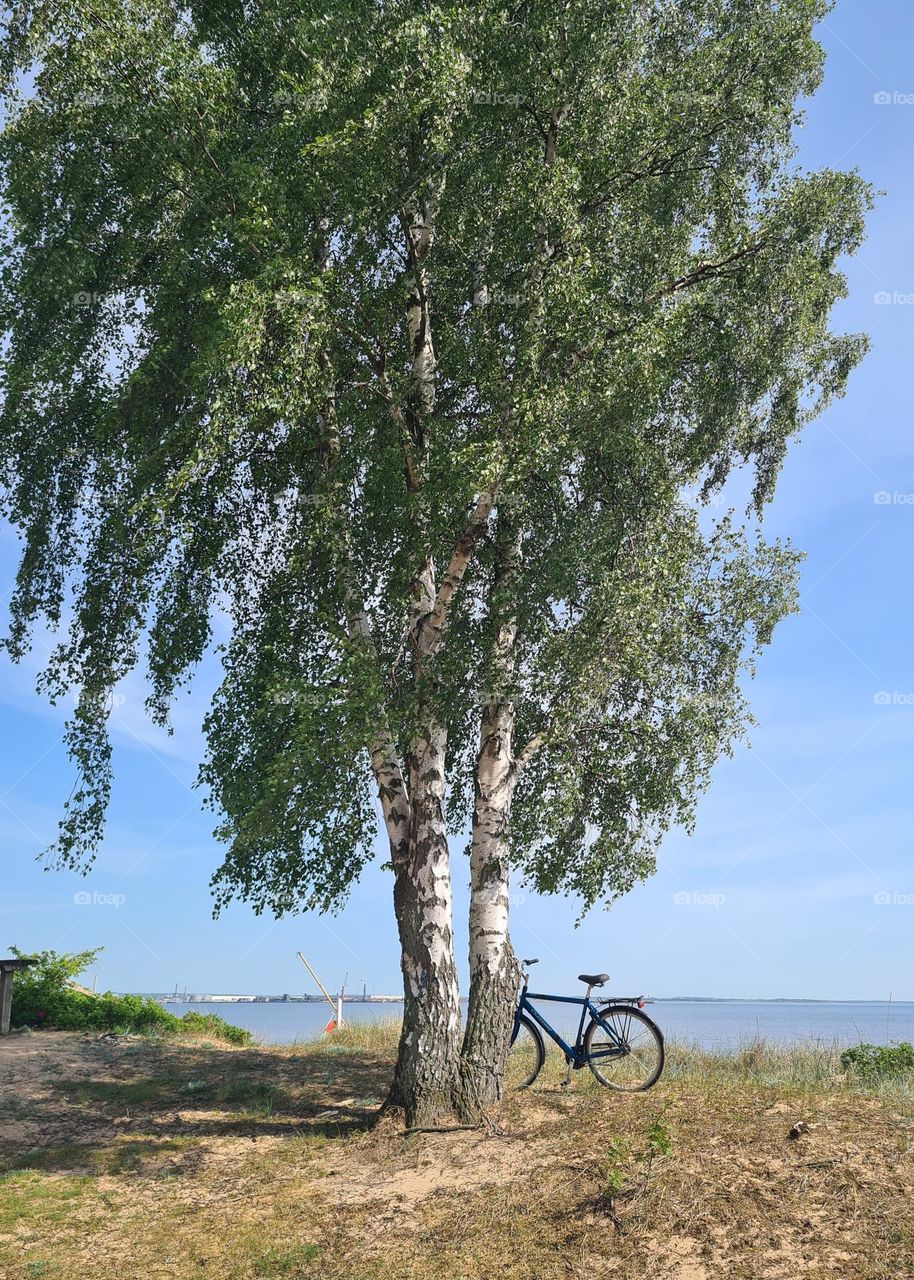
x=287, y=1262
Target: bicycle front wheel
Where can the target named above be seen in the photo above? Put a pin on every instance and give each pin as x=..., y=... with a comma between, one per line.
x=526, y=1055
x=624, y=1048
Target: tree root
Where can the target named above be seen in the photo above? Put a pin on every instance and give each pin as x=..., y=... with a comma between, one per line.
x=447, y=1128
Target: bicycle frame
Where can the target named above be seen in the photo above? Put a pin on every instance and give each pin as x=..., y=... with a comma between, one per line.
x=584, y=1052
x=574, y=1054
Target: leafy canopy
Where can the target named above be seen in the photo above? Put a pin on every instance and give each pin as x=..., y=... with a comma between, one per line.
x=210, y=396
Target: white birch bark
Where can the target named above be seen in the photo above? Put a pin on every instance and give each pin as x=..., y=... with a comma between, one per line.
x=493, y=966
x=425, y=1082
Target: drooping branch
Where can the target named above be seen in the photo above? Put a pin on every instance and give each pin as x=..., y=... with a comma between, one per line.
x=706, y=271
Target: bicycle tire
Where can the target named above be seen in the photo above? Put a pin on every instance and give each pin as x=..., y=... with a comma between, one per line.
x=539, y=1049
x=628, y=1013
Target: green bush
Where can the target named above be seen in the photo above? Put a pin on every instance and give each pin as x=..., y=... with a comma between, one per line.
x=200, y=1024
x=44, y=997
x=878, y=1061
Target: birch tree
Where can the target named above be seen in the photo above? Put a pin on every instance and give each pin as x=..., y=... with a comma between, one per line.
x=401, y=336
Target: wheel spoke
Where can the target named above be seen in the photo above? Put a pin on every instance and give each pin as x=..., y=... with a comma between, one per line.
x=625, y=1051
x=634, y=1057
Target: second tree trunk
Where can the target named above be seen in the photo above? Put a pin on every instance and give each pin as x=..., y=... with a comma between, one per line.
x=493, y=966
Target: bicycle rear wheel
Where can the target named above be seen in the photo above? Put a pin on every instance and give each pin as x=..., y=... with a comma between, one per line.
x=624, y=1048
x=526, y=1055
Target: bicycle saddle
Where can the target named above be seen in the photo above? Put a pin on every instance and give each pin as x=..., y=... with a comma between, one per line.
x=593, y=979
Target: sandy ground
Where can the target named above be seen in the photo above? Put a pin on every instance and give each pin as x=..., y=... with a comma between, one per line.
x=190, y=1159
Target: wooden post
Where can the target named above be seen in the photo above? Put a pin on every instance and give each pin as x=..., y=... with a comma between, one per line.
x=6, y=1000
x=7, y=970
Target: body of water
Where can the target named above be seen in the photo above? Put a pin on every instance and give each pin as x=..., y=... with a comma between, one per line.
x=717, y=1024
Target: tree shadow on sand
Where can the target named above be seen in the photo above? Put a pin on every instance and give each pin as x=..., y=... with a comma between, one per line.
x=148, y=1109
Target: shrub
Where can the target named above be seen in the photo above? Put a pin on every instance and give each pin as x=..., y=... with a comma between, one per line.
x=43, y=996
x=878, y=1061
x=200, y=1024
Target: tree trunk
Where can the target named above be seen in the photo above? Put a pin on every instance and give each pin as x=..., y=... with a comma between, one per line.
x=425, y=1081
x=427, y=1062
x=493, y=966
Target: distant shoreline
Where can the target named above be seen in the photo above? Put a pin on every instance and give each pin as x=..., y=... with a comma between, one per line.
x=772, y=1000
x=215, y=998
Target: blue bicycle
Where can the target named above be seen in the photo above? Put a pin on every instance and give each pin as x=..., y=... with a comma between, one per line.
x=621, y=1045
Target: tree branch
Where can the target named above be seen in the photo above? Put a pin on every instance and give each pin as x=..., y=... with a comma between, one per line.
x=377, y=358
x=431, y=627
x=529, y=750
x=706, y=271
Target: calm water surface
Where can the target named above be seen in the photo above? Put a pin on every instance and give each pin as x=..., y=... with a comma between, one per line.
x=720, y=1024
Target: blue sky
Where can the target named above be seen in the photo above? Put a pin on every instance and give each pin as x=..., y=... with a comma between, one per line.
x=799, y=879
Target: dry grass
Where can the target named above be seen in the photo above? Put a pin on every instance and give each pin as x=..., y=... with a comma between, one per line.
x=162, y=1159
